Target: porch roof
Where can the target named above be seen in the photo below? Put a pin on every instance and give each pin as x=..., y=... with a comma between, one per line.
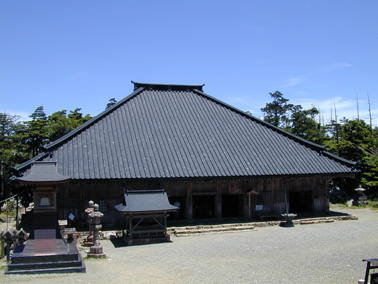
x=43, y=173
x=146, y=201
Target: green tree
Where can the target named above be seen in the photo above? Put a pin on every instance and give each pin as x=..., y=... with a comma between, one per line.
x=369, y=175
x=111, y=102
x=78, y=117
x=294, y=119
x=36, y=135
x=357, y=142
x=277, y=112
x=20, y=141
x=8, y=153
x=334, y=130
x=303, y=124
x=60, y=123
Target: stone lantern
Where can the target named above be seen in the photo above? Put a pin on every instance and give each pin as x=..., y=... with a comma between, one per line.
x=360, y=197
x=95, y=226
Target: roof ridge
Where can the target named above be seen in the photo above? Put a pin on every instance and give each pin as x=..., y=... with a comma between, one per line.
x=154, y=86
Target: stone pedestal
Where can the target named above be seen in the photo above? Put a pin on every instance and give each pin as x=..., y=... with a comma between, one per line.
x=96, y=252
x=288, y=219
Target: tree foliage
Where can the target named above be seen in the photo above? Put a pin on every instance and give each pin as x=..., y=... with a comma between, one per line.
x=303, y=124
x=8, y=152
x=20, y=141
x=357, y=141
x=277, y=111
x=61, y=124
x=36, y=132
x=111, y=102
x=354, y=140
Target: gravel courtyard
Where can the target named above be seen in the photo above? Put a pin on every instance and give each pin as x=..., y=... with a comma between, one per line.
x=312, y=254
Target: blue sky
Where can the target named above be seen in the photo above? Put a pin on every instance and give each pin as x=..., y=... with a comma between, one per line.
x=69, y=54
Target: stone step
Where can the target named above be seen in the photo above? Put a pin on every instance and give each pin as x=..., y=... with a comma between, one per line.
x=180, y=231
x=51, y=258
x=37, y=265
x=44, y=265
x=47, y=270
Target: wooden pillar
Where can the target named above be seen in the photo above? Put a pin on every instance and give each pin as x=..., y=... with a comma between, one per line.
x=189, y=202
x=327, y=193
x=131, y=226
x=218, y=202
x=246, y=206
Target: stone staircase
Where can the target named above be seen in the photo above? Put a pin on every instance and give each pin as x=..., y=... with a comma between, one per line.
x=66, y=258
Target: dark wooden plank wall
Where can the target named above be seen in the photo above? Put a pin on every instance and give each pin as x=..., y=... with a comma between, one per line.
x=74, y=197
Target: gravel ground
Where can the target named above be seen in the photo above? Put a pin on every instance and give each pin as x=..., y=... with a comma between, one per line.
x=312, y=254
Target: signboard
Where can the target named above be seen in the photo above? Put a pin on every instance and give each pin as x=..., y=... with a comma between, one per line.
x=71, y=217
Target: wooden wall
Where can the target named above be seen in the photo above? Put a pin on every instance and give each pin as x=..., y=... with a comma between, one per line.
x=74, y=197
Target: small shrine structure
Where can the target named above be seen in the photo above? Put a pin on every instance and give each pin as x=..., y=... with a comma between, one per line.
x=146, y=213
x=46, y=251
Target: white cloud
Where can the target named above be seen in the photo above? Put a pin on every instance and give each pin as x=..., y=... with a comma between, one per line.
x=23, y=116
x=292, y=82
x=337, y=65
x=344, y=108
x=237, y=99
x=78, y=75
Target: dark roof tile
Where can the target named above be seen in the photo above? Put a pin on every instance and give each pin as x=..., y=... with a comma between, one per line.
x=170, y=131
x=148, y=201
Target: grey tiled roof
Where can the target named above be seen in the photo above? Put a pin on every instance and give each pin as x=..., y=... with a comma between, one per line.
x=43, y=172
x=168, y=131
x=142, y=201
